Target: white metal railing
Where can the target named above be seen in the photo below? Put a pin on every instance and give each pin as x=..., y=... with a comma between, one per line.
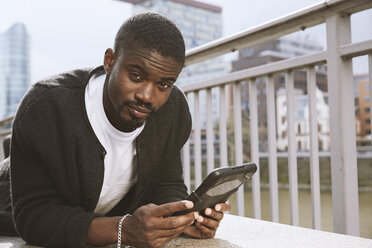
x=336, y=15
x=3, y=133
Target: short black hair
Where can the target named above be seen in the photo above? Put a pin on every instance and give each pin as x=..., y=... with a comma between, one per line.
x=151, y=31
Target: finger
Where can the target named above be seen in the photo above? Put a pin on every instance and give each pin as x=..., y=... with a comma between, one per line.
x=174, y=232
x=220, y=207
x=172, y=222
x=193, y=232
x=210, y=213
x=169, y=209
x=209, y=223
x=205, y=231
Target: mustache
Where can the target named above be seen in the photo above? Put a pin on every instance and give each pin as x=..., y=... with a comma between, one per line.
x=139, y=104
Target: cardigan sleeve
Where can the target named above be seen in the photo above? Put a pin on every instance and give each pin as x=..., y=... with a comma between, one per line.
x=41, y=216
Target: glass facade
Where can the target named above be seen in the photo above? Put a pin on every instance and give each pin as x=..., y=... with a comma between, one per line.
x=199, y=24
x=14, y=68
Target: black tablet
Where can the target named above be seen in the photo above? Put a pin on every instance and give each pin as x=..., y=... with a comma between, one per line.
x=219, y=185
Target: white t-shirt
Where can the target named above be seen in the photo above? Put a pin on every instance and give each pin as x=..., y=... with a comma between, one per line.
x=120, y=161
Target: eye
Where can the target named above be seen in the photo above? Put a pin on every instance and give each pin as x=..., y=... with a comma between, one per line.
x=135, y=76
x=165, y=85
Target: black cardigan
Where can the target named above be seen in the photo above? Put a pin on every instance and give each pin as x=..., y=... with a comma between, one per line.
x=57, y=161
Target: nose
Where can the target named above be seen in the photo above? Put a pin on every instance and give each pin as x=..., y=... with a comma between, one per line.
x=146, y=93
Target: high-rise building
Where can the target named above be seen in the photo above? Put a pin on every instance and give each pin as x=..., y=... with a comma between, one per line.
x=199, y=23
x=363, y=108
x=14, y=68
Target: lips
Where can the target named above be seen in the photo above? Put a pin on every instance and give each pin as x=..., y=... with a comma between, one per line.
x=139, y=112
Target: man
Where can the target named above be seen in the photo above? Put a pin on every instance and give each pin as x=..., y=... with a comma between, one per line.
x=90, y=147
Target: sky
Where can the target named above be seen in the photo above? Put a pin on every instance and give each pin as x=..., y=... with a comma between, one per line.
x=72, y=34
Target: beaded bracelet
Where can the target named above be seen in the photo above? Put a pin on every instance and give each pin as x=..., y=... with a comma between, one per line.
x=119, y=229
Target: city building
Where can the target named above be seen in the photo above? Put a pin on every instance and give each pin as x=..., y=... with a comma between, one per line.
x=199, y=23
x=14, y=68
x=363, y=109
x=302, y=124
x=273, y=51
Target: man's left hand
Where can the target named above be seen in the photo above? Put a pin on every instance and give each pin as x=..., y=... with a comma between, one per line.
x=206, y=225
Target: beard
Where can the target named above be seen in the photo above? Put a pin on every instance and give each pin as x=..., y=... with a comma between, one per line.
x=132, y=122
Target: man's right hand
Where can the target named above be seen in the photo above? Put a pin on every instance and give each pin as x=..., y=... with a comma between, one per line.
x=152, y=225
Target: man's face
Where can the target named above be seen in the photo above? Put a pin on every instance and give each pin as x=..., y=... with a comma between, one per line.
x=138, y=83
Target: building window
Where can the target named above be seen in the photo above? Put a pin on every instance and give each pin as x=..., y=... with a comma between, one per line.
x=368, y=121
x=299, y=128
x=367, y=109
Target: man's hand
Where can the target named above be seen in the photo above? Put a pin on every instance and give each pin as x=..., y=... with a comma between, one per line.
x=206, y=226
x=152, y=225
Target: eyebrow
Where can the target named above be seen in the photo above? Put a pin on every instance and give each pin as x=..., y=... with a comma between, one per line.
x=143, y=71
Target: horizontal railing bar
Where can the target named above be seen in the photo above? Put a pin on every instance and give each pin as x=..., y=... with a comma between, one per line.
x=6, y=120
x=5, y=132
x=356, y=49
x=296, y=21
x=263, y=70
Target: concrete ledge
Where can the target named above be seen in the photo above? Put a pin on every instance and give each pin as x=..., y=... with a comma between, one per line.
x=236, y=232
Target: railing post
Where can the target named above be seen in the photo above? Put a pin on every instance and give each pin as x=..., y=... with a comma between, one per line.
x=271, y=136
x=370, y=82
x=222, y=127
x=253, y=124
x=292, y=148
x=186, y=165
x=197, y=141
x=1, y=148
x=238, y=141
x=210, y=133
x=342, y=121
x=314, y=154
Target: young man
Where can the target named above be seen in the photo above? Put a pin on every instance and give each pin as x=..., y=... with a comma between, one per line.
x=90, y=147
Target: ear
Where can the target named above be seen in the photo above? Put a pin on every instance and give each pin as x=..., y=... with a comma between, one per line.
x=109, y=60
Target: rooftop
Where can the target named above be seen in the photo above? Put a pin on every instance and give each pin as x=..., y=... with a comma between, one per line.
x=193, y=3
